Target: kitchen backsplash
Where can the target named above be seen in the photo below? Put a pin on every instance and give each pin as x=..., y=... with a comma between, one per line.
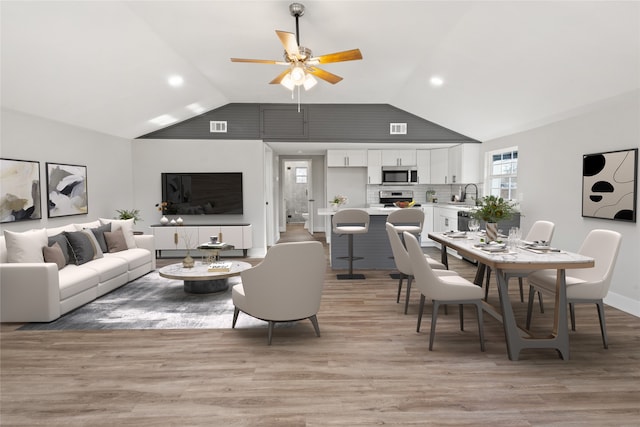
x=443, y=192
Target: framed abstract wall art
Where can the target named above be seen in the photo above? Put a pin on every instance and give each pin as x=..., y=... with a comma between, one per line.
x=66, y=190
x=20, y=193
x=610, y=184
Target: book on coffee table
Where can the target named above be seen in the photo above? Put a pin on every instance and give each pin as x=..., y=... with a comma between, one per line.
x=221, y=266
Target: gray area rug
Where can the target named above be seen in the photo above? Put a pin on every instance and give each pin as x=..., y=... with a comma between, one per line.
x=153, y=302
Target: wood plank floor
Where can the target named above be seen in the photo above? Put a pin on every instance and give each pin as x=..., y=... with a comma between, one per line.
x=370, y=367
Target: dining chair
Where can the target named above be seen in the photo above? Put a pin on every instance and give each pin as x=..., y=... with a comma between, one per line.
x=539, y=231
x=403, y=263
x=350, y=222
x=449, y=289
x=286, y=286
x=584, y=285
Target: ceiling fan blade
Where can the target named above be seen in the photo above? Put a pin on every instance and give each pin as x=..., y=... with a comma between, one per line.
x=258, y=61
x=290, y=44
x=279, y=78
x=347, y=55
x=324, y=75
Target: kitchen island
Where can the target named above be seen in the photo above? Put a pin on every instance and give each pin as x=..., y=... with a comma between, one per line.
x=373, y=246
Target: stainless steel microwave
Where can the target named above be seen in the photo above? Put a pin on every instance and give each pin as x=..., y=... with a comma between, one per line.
x=399, y=175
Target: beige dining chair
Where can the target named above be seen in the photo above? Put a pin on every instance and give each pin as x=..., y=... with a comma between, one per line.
x=539, y=231
x=403, y=263
x=350, y=222
x=584, y=285
x=286, y=286
x=449, y=289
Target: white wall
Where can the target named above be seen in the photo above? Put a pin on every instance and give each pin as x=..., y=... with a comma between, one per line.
x=151, y=157
x=107, y=158
x=550, y=182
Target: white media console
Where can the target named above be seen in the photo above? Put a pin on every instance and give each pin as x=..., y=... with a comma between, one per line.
x=172, y=237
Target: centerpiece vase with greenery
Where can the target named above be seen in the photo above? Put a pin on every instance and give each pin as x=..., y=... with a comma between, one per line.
x=491, y=210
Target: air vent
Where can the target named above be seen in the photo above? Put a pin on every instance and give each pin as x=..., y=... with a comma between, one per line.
x=218, y=126
x=397, y=128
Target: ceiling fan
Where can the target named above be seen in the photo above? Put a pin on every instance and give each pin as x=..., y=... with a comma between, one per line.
x=302, y=65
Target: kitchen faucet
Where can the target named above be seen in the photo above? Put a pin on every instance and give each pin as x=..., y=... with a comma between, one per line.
x=464, y=193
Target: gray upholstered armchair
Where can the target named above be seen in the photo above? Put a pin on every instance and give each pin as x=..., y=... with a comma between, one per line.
x=286, y=286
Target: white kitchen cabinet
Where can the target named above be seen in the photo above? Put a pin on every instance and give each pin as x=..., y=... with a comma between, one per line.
x=464, y=164
x=440, y=166
x=423, y=161
x=374, y=166
x=427, y=226
x=347, y=158
x=445, y=219
x=398, y=157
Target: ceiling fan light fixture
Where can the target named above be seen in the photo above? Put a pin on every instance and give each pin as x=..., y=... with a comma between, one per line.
x=309, y=82
x=297, y=75
x=287, y=82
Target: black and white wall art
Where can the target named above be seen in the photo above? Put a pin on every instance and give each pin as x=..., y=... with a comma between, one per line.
x=609, y=185
x=66, y=190
x=20, y=194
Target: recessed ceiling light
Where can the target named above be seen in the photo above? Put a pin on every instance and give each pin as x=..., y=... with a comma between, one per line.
x=163, y=120
x=436, y=81
x=176, y=81
x=196, y=108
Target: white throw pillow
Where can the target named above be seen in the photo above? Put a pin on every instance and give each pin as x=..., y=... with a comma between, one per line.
x=92, y=224
x=127, y=229
x=27, y=246
x=58, y=230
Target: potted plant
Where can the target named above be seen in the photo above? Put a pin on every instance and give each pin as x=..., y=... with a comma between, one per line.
x=492, y=209
x=129, y=214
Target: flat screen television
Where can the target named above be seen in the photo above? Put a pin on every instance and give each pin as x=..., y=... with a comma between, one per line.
x=211, y=193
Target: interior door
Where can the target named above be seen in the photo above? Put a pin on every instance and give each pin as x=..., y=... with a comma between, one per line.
x=311, y=208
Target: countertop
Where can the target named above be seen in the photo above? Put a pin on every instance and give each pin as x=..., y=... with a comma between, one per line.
x=380, y=210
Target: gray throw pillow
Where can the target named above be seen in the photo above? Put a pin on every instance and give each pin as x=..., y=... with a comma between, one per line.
x=62, y=241
x=54, y=254
x=115, y=240
x=99, y=233
x=84, y=246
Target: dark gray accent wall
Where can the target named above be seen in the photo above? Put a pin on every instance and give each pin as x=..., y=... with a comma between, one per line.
x=313, y=123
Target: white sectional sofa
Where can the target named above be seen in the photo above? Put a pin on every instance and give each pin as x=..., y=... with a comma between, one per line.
x=33, y=290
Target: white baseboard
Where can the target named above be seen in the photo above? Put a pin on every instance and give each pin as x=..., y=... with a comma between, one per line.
x=623, y=303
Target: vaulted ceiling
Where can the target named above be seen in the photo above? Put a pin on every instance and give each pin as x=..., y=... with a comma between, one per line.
x=506, y=65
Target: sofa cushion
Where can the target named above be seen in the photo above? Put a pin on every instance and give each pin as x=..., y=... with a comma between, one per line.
x=127, y=229
x=54, y=254
x=115, y=241
x=82, y=226
x=108, y=267
x=61, y=239
x=59, y=230
x=84, y=246
x=75, y=279
x=134, y=257
x=99, y=233
x=26, y=246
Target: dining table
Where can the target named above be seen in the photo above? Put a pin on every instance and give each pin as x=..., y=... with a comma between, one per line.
x=518, y=261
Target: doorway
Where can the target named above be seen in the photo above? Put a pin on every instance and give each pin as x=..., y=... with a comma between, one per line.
x=297, y=193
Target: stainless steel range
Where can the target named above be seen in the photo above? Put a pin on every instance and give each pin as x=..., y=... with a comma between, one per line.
x=389, y=197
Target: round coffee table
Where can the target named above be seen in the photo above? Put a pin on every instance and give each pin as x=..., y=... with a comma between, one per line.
x=198, y=280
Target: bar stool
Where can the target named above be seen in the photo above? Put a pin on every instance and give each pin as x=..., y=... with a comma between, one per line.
x=350, y=222
x=407, y=219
